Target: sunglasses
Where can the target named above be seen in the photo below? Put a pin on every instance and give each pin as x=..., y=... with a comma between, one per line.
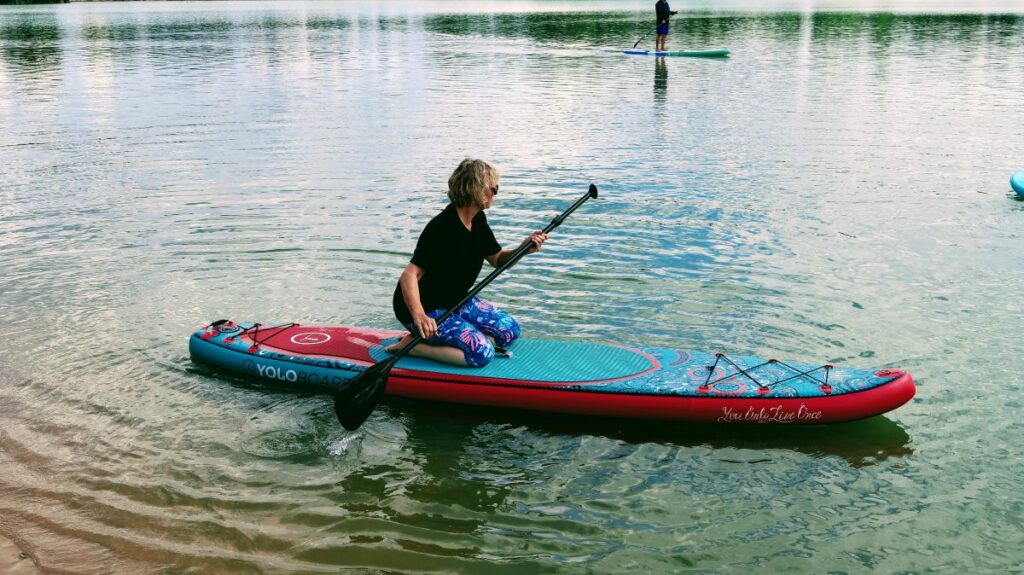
x=494, y=191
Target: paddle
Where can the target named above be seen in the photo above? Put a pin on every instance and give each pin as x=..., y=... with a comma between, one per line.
x=354, y=402
x=646, y=34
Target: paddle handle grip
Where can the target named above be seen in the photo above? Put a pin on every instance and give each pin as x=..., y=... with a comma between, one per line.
x=515, y=257
x=557, y=221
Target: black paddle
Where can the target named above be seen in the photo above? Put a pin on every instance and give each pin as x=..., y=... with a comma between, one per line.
x=355, y=402
x=646, y=34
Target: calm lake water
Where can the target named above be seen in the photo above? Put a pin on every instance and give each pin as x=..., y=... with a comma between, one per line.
x=836, y=191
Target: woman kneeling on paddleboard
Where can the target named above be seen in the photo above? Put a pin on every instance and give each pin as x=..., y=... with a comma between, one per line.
x=448, y=257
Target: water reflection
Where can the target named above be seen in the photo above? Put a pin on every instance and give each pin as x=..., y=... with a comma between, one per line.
x=33, y=42
x=660, y=79
x=617, y=29
x=447, y=473
x=886, y=29
x=100, y=30
x=859, y=443
x=31, y=45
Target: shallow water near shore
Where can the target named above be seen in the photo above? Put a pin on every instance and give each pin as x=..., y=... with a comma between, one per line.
x=835, y=191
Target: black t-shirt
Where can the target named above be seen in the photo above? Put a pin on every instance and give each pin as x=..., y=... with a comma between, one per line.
x=451, y=257
x=663, y=12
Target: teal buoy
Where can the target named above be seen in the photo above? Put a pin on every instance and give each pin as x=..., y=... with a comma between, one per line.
x=1017, y=183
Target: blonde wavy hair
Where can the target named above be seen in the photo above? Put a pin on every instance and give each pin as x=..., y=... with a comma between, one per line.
x=470, y=181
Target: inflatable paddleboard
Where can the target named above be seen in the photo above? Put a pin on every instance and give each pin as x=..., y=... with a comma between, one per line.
x=719, y=53
x=565, y=377
x=1017, y=183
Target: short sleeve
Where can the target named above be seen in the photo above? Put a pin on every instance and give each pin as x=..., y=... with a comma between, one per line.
x=488, y=245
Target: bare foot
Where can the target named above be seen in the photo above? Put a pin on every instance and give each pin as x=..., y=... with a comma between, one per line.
x=399, y=345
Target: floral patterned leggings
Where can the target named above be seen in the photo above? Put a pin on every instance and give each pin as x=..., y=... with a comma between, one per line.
x=469, y=327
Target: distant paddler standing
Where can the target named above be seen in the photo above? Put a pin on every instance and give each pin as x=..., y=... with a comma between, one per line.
x=664, y=14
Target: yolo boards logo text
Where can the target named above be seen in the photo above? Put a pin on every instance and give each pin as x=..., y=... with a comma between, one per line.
x=291, y=375
x=274, y=372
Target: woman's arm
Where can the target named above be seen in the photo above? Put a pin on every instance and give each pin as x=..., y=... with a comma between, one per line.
x=410, y=282
x=501, y=257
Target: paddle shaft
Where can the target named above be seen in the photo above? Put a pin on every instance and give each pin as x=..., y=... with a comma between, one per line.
x=648, y=33
x=512, y=259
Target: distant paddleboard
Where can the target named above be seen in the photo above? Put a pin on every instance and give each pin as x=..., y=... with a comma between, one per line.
x=1017, y=183
x=718, y=53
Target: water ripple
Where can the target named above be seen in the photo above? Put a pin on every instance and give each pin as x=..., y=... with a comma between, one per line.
x=835, y=191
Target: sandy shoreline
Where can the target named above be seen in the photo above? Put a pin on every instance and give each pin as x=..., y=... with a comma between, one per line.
x=13, y=561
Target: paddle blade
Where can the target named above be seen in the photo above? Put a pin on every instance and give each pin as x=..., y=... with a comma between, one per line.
x=355, y=402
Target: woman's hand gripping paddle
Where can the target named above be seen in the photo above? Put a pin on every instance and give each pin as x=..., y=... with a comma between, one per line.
x=356, y=401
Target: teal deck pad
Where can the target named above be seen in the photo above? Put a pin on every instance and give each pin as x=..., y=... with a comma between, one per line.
x=541, y=360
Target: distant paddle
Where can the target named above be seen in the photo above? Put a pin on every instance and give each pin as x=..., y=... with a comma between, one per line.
x=646, y=34
x=356, y=401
